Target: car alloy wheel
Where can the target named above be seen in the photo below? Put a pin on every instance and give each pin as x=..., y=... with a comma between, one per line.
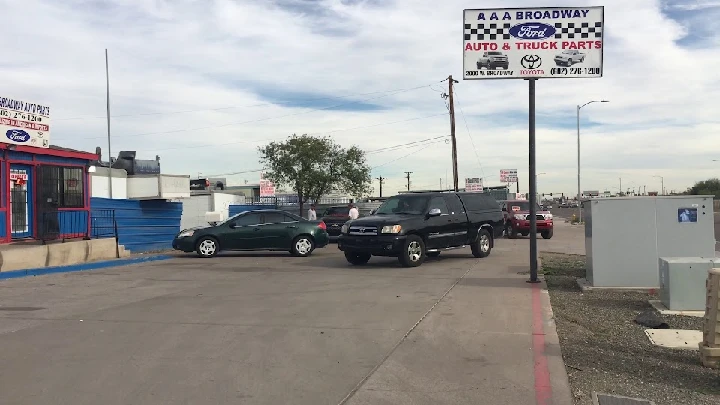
x=303, y=246
x=414, y=251
x=484, y=243
x=207, y=248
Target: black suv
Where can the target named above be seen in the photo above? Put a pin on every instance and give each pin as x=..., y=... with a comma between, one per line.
x=416, y=225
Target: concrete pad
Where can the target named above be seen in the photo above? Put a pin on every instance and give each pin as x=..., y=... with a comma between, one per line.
x=675, y=338
x=658, y=305
x=67, y=253
x=27, y=257
x=585, y=286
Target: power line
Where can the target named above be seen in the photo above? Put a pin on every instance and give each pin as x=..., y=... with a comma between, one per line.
x=482, y=170
x=402, y=145
x=267, y=118
x=401, y=157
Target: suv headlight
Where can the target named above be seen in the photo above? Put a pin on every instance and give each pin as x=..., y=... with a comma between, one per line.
x=548, y=216
x=391, y=229
x=344, y=229
x=519, y=216
x=185, y=234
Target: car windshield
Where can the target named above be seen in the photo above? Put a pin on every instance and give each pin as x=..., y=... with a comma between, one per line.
x=404, y=204
x=520, y=206
x=336, y=212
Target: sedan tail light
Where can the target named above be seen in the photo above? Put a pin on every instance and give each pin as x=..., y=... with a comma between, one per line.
x=322, y=225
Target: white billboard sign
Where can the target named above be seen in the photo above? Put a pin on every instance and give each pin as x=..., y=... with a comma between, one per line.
x=508, y=176
x=267, y=187
x=474, y=185
x=543, y=42
x=24, y=123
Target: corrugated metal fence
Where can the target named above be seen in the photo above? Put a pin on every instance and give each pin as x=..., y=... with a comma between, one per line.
x=143, y=226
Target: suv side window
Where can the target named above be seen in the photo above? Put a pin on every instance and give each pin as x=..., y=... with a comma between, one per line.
x=454, y=204
x=439, y=203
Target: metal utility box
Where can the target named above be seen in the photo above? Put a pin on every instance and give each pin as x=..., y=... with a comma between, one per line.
x=626, y=236
x=683, y=282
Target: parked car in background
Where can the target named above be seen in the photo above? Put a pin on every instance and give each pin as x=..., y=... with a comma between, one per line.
x=517, y=219
x=335, y=217
x=414, y=226
x=255, y=230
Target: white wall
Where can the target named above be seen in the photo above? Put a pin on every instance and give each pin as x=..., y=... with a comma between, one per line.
x=195, y=207
x=193, y=211
x=101, y=187
x=223, y=201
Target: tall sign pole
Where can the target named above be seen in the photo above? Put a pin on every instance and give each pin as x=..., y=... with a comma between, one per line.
x=451, y=103
x=531, y=44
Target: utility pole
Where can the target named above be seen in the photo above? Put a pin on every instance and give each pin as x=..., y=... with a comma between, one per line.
x=381, y=179
x=407, y=176
x=452, y=131
x=620, y=184
x=107, y=86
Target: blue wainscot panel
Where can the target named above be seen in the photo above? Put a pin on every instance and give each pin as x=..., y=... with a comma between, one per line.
x=142, y=226
x=3, y=224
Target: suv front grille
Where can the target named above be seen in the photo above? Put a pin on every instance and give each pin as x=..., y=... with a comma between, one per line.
x=539, y=217
x=363, y=230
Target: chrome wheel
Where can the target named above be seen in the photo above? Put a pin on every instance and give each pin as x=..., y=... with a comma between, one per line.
x=414, y=251
x=484, y=243
x=207, y=247
x=303, y=246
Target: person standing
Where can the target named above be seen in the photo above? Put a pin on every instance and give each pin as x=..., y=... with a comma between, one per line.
x=353, y=213
x=312, y=215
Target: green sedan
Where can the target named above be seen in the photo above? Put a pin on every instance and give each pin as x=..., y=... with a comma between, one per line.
x=255, y=230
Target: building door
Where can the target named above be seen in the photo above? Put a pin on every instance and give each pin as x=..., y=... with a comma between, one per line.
x=21, y=198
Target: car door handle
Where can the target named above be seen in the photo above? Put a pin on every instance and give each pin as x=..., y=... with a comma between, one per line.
x=291, y=226
x=256, y=229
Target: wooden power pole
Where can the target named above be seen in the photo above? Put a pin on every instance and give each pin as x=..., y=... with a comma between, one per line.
x=407, y=176
x=381, y=179
x=452, y=131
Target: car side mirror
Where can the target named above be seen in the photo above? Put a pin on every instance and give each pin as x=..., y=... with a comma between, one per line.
x=435, y=212
x=234, y=225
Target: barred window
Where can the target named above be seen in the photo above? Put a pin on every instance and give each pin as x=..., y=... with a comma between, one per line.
x=62, y=187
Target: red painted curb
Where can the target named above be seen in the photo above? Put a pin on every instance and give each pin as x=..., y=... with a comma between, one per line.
x=543, y=388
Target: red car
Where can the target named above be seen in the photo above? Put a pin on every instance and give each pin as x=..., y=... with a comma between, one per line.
x=517, y=219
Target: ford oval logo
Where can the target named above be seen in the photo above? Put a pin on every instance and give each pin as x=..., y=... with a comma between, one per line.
x=533, y=30
x=17, y=135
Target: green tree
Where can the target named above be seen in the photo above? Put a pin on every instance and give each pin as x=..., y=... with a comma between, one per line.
x=315, y=166
x=705, y=187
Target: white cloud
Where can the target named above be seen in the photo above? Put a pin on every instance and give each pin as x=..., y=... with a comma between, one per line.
x=169, y=56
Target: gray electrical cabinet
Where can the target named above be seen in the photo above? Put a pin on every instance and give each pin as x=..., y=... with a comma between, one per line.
x=682, y=282
x=626, y=236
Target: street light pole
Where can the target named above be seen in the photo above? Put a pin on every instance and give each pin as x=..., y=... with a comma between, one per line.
x=578, y=153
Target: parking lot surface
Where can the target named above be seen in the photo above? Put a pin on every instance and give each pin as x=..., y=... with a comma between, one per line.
x=274, y=329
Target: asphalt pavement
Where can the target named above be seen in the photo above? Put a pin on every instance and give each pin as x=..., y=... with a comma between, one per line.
x=274, y=329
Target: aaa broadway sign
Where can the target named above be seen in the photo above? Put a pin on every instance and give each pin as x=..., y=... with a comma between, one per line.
x=24, y=123
x=522, y=43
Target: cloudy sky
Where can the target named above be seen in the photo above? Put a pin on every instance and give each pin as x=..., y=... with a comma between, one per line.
x=203, y=83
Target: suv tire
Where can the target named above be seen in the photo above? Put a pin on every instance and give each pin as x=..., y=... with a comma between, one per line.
x=547, y=234
x=357, y=258
x=482, y=245
x=511, y=231
x=413, y=252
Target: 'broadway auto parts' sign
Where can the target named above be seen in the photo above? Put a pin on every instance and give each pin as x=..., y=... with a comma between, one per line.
x=23, y=123
x=522, y=43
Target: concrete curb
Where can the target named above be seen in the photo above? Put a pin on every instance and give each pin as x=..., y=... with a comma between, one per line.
x=81, y=267
x=559, y=380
